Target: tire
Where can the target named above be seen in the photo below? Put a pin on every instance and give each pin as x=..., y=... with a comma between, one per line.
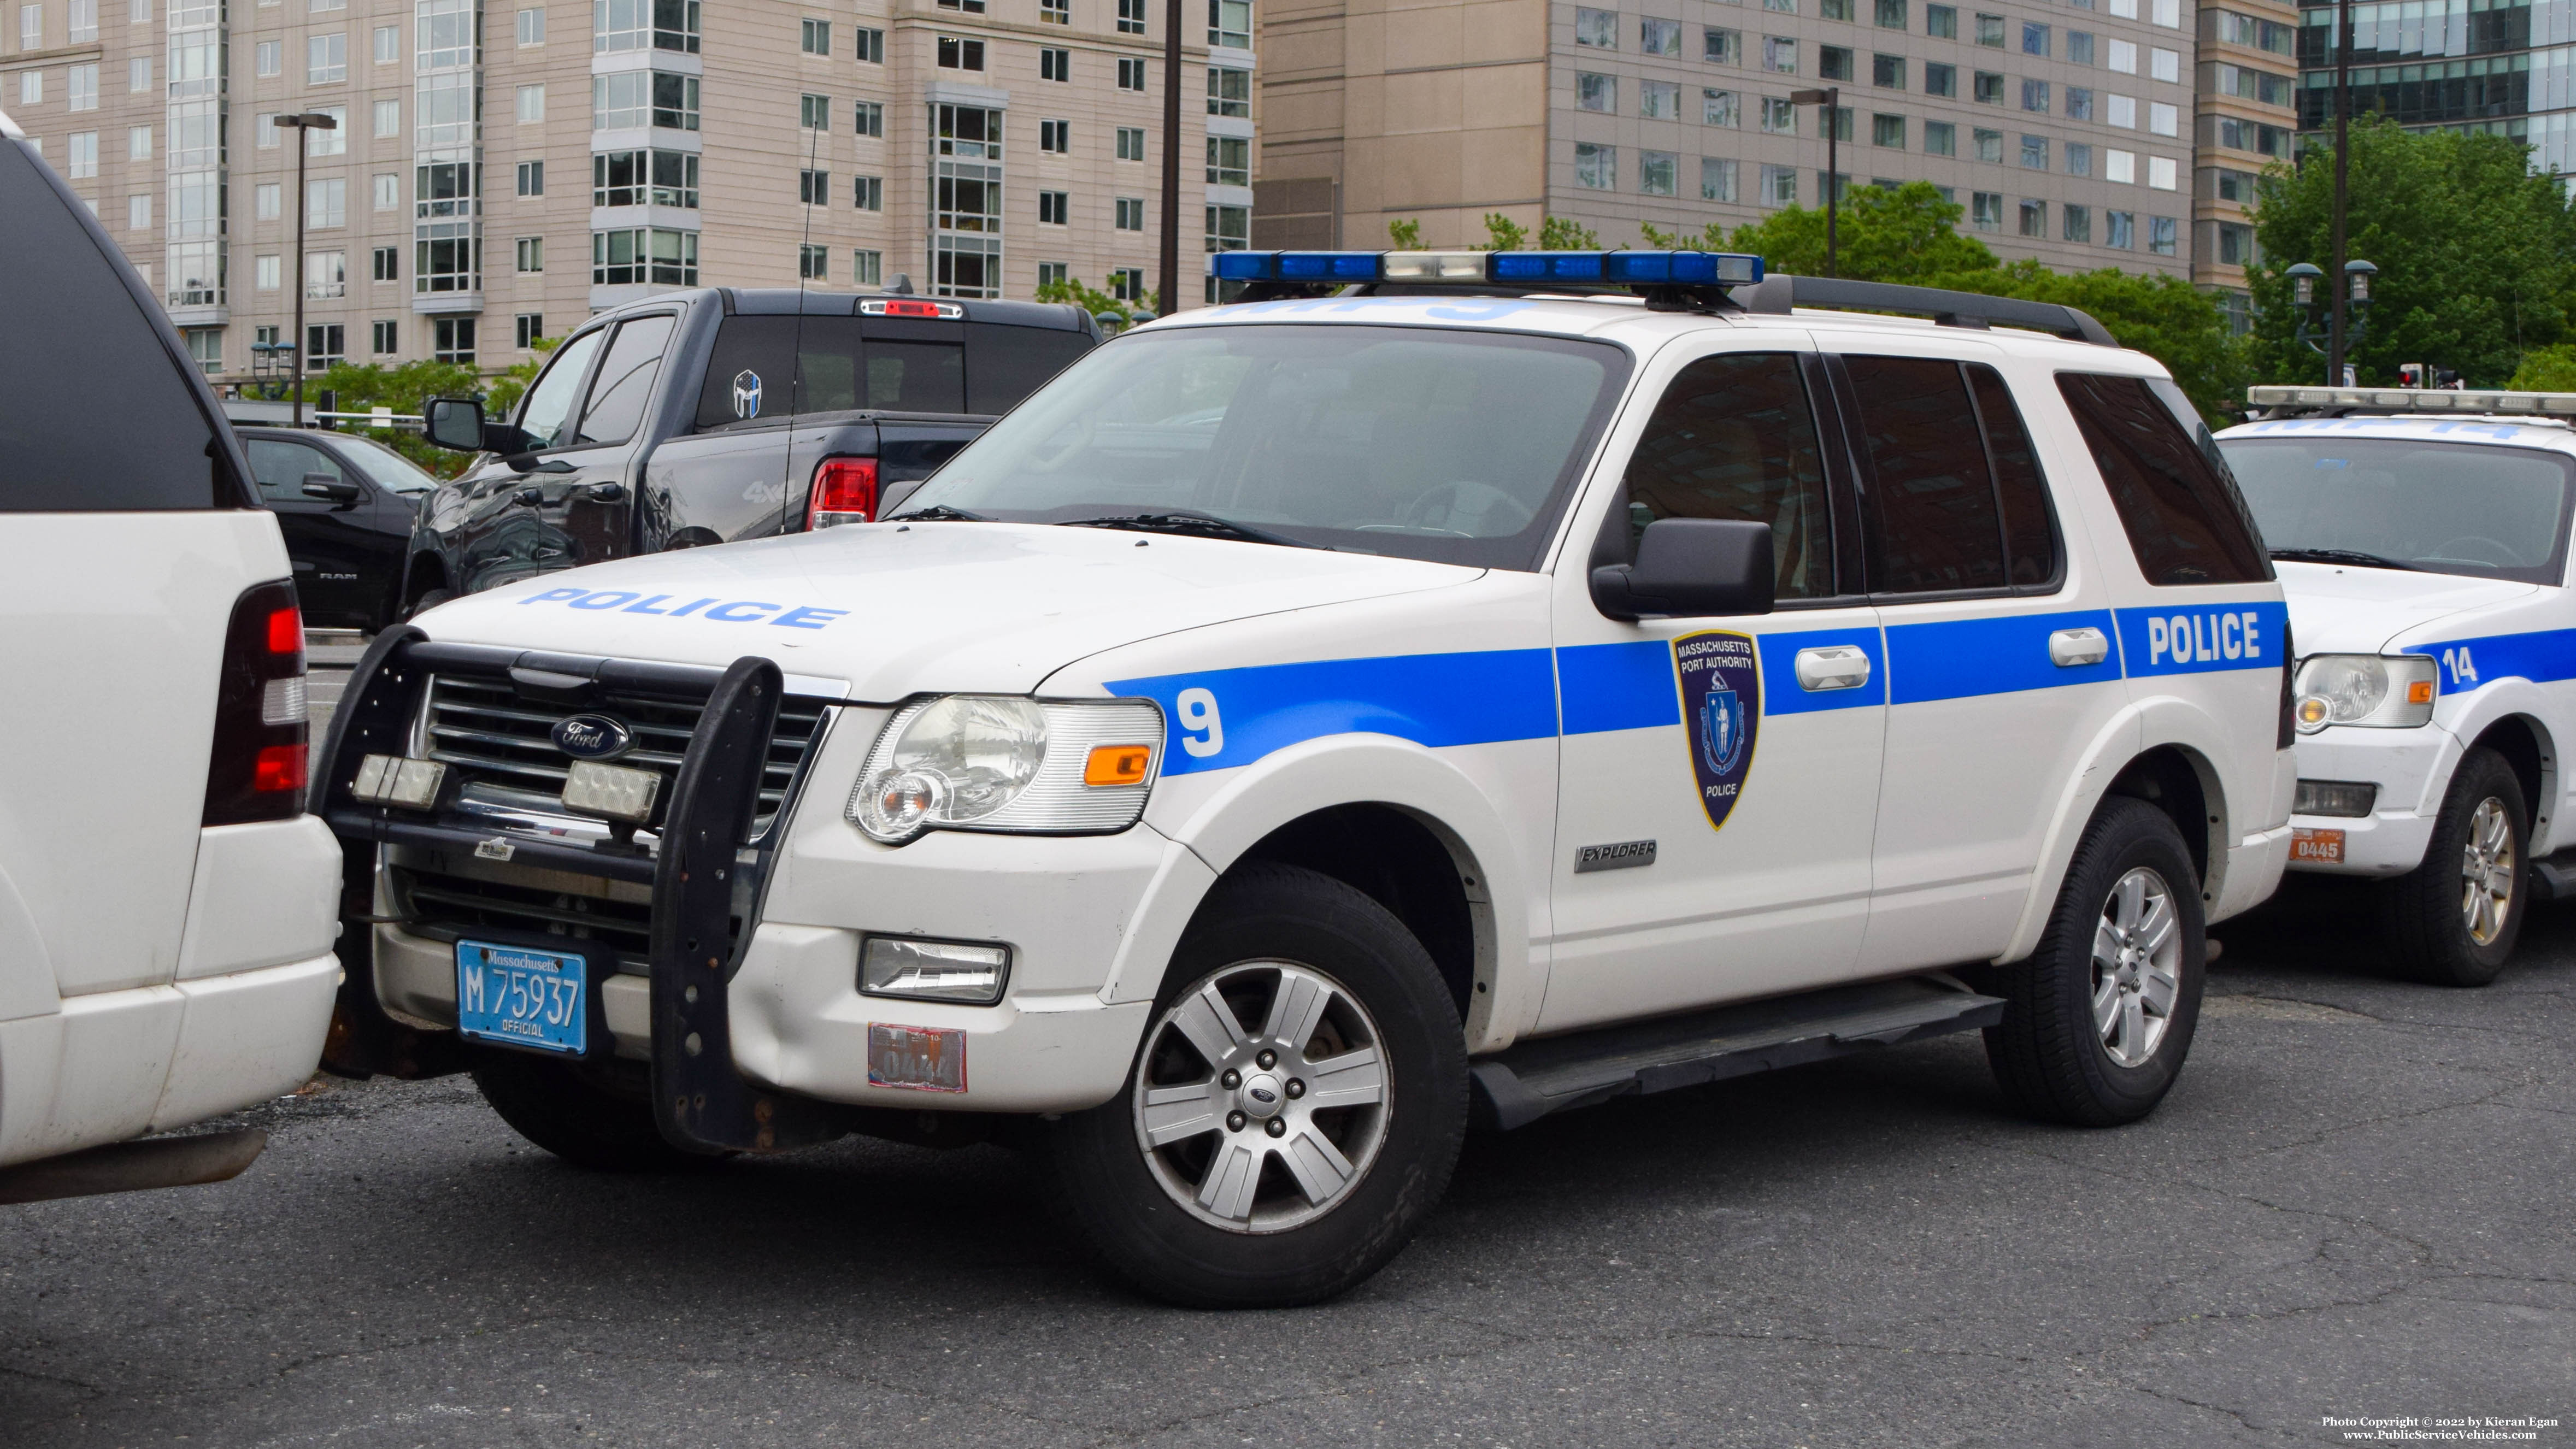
x=1184, y=1221
x=2480, y=845
x=429, y=599
x=2048, y=1052
x=578, y=1113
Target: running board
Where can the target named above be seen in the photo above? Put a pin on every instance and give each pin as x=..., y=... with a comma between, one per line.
x=2556, y=877
x=1516, y=1087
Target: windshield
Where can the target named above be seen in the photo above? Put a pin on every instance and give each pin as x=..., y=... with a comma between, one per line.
x=2449, y=508
x=1426, y=443
x=386, y=468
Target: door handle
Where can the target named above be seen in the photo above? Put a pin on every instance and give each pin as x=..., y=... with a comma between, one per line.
x=1834, y=666
x=2075, y=648
x=604, y=492
x=529, y=497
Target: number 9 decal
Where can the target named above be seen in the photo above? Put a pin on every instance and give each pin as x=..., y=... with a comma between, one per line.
x=1203, y=734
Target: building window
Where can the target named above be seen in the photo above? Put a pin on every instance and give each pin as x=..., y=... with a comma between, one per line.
x=1131, y=143
x=817, y=37
x=2079, y=103
x=206, y=349
x=531, y=255
x=1941, y=22
x=2034, y=219
x=2166, y=65
x=1230, y=24
x=1722, y=47
x=269, y=275
x=814, y=263
x=2235, y=244
x=326, y=345
x=1989, y=144
x=871, y=47
x=1596, y=92
x=2034, y=95
x=385, y=339
x=631, y=100
x=387, y=39
x=83, y=86
x=2120, y=166
x=384, y=264
x=1596, y=166
x=1055, y=12
x=871, y=119
x=2078, y=222
x=532, y=104
x=1229, y=92
x=867, y=268
x=2120, y=111
x=1055, y=136
x=1887, y=72
x=957, y=53
x=2034, y=38
x=2079, y=159
x=84, y=22
x=326, y=275
x=2079, y=47
x=2120, y=229
x=1659, y=100
x=1886, y=130
x=1779, y=186
x=1989, y=88
x=1131, y=17
x=2034, y=153
x=1660, y=37
x=326, y=202
x=1718, y=108
x=1834, y=62
x=138, y=212
x=138, y=73
x=388, y=118
x=454, y=340
x=651, y=178
x=1940, y=138
x=1052, y=208
x=1779, y=117
x=814, y=188
x=1130, y=213
x=1940, y=80
x=532, y=27
x=532, y=178
x=2163, y=119
x=867, y=193
x=268, y=58
x=638, y=254
x=1597, y=28
x=814, y=113
x=1127, y=284
x=639, y=24
x=84, y=155
x=1131, y=74
x=1717, y=178
x=1990, y=31
x=1657, y=173
x=527, y=330
x=1780, y=54
x=446, y=257
x=326, y=59
x=1054, y=63
x=2162, y=234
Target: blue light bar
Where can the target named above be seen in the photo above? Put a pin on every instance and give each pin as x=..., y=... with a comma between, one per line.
x=1545, y=266
x=1328, y=266
x=1247, y=266
x=1620, y=268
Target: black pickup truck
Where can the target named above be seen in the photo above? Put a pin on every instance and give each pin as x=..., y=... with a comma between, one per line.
x=718, y=414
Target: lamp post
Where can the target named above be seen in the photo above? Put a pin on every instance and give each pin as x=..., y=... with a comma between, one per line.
x=2336, y=340
x=299, y=124
x=2349, y=311
x=1829, y=97
x=1170, y=299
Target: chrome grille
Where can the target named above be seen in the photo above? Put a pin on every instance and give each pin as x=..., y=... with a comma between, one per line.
x=616, y=917
x=481, y=727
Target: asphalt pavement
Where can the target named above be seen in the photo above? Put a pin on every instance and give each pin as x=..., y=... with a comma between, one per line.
x=2355, y=1205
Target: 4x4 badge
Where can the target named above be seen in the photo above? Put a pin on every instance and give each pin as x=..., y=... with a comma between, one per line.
x=1721, y=684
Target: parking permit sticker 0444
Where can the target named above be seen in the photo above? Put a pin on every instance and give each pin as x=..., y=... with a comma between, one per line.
x=1721, y=683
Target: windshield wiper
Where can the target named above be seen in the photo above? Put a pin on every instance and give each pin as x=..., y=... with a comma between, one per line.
x=940, y=513
x=1204, y=525
x=2341, y=556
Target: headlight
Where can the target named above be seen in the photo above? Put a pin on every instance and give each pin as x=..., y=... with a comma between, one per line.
x=998, y=763
x=2394, y=692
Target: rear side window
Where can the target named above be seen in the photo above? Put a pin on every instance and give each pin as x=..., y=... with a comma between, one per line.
x=1937, y=524
x=95, y=414
x=1006, y=364
x=625, y=383
x=1734, y=437
x=2030, y=531
x=768, y=367
x=2185, y=520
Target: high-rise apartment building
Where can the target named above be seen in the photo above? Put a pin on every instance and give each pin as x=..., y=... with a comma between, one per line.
x=2501, y=66
x=2247, y=119
x=2057, y=127
x=500, y=169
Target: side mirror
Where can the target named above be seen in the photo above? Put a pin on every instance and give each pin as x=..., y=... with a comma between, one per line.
x=328, y=488
x=1688, y=568
x=454, y=422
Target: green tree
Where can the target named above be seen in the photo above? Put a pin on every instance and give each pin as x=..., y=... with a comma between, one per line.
x=512, y=384
x=1406, y=235
x=2546, y=369
x=1097, y=304
x=360, y=387
x=2161, y=315
x=1563, y=234
x=2476, y=255
x=1504, y=234
x=1903, y=235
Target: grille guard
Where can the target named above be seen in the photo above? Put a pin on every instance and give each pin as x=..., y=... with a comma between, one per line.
x=702, y=1103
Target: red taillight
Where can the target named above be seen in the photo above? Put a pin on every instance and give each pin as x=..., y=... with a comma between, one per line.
x=257, y=768
x=845, y=491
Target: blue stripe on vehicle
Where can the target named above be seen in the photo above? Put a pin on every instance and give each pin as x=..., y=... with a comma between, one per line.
x=1999, y=654
x=1431, y=699
x=1780, y=691
x=1617, y=686
x=2201, y=638
x=2543, y=656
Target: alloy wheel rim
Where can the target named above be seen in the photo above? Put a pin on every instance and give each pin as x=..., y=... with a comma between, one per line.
x=2137, y=967
x=2487, y=864
x=1263, y=1127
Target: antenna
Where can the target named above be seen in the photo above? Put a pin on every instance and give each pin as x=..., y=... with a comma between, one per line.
x=796, y=367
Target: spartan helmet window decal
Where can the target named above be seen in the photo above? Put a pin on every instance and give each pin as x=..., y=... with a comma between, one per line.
x=1721, y=684
x=746, y=394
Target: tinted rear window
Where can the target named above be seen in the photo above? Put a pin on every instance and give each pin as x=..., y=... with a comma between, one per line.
x=1938, y=524
x=1006, y=364
x=2185, y=520
x=95, y=414
x=838, y=364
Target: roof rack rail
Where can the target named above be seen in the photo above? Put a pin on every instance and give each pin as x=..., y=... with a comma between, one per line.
x=2278, y=401
x=1780, y=291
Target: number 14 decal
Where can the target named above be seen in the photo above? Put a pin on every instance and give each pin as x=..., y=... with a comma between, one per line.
x=2458, y=667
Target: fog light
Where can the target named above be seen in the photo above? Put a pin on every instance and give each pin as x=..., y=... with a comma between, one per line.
x=612, y=792
x=393, y=780
x=961, y=971
x=2335, y=797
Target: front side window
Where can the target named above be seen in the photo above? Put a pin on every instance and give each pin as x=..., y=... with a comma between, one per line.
x=625, y=383
x=2440, y=507
x=2186, y=522
x=1735, y=437
x=546, y=415
x=1419, y=443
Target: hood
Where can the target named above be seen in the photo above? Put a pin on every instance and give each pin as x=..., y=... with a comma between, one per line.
x=2338, y=609
x=898, y=609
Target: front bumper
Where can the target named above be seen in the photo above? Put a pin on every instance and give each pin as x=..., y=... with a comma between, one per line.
x=2411, y=767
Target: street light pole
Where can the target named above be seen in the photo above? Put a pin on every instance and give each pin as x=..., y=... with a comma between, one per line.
x=1170, y=298
x=1830, y=98
x=300, y=124
x=2335, y=338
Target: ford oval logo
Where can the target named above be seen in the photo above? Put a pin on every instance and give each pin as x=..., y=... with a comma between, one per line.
x=1264, y=1095
x=593, y=737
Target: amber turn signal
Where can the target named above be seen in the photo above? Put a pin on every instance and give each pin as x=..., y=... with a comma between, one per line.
x=1117, y=764
x=2420, y=692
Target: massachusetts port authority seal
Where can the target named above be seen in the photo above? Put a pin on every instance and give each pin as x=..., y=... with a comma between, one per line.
x=1721, y=680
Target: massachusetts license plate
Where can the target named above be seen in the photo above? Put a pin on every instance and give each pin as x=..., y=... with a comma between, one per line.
x=527, y=998
x=2325, y=847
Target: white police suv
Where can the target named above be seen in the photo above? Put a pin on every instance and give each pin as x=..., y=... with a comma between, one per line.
x=1446, y=688
x=2422, y=538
